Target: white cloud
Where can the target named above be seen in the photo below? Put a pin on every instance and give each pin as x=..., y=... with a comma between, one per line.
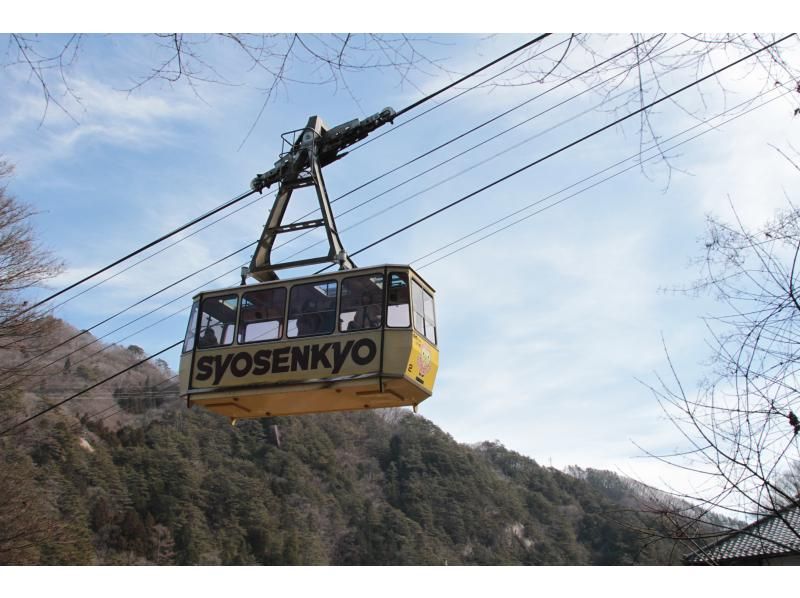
x=105, y=117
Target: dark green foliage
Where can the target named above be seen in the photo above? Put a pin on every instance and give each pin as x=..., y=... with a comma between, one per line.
x=348, y=489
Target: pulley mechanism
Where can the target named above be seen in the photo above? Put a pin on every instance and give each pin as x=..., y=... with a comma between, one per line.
x=306, y=151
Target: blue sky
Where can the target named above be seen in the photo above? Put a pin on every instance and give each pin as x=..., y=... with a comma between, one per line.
x=546, y=328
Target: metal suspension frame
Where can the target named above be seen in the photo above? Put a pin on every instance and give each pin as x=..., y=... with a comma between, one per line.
x=310, y=149
x=261, y=266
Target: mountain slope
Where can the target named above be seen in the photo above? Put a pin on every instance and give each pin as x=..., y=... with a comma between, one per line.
x=160, y=483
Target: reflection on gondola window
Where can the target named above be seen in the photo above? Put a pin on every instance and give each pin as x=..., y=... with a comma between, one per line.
x=188, y=341
x=217, y=321
x=362, y=303
x=424, y=314
x=312, y=309
x=397, y=315
x=261, y=315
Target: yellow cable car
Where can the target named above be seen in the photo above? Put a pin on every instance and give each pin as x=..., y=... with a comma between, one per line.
x=354, y=339
x=359, y=338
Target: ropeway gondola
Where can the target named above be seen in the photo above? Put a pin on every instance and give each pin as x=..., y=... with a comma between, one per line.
x=356, y=338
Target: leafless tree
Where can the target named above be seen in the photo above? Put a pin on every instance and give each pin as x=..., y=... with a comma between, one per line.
x=740, y=428
x=279, y=61
x=285, y=61
x=24, y=264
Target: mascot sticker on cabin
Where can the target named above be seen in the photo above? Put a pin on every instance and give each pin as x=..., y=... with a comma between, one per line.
x=424, y=360
x=328, y=356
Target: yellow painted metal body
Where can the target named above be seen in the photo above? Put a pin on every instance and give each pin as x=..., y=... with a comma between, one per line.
x=387, y=366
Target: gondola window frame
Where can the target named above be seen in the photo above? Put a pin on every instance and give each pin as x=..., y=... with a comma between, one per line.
x=227, y=335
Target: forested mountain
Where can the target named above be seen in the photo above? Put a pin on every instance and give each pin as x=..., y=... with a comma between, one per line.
x=159, y=483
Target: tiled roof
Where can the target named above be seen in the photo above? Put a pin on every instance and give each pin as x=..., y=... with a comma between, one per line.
x=770, y=536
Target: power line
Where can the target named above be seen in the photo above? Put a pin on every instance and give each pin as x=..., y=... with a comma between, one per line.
x=446, y=207
x=595, y=184
x=481, y=162
x=370, y=139
x=564, y=148
x=251, y=192
x=152, y=255
x=87, y=389
x=614, y=57
x=456, y=202
x=493, y=119
x=396, y=232
x=163, y=249
x=473, y=73
x=131, y=255
x=654, y=146
x=110, y=345
x=481, y=125
x=139, y=302
x=60, y=358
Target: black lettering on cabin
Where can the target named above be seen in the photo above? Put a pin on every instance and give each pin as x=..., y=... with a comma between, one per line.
x=318, y=355
x=280, y=360
x=240, y=369
x=261, y=362
x=339, y=355
x=371, y=351
x=285, y=359
x=204, y=368
x=300, y=358
x=220, y=366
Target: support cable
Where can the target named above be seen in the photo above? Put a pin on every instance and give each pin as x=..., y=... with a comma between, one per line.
x=130, y=255
x=472, y=74
x=87, y=389
x=250, y=192
x=451, y=204
x=568, y=41
x=564, y=148
x=478, y=164
x=614, y=57
x=493, y=119
x=595, y=184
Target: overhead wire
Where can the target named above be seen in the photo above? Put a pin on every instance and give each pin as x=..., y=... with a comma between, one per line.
x=162, y=250
x=636, y=164
x=107, y=346
x=249, y=245
x=82, y=332
x=248, y=193
x=470, y=195
x=144, y=259
x=563, y=148
x=430, y=96
x=427, y=153
x=480, y=162
x=472, y=130
x=130, y=255
x=87, y=389
x=126, y=309
x=516, y=65
x=215, y=210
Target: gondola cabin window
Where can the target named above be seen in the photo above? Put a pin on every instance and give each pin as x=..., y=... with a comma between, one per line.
x=217, y=321
x=312, y=309
x=397, y=314
x=424, y=315
x=188, y=341
x=261, y=315
x=362, y=303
